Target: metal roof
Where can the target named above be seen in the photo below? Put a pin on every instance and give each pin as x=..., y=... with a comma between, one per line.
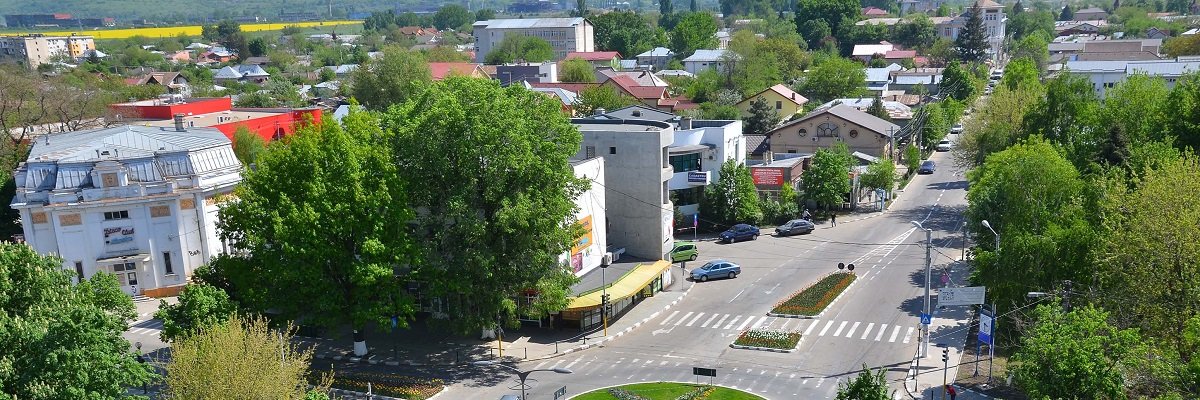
x=529, y=23
x=1163, y=68
x=706, y=55
x=657, y=52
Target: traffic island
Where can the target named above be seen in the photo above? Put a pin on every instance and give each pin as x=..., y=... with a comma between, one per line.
x=666, y=391
x=812, y=301
x=381, y=385
x=767, y=340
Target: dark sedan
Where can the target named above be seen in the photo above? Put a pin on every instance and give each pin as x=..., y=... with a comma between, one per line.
x=927, y=167
x=739, y=232
x=795, y=227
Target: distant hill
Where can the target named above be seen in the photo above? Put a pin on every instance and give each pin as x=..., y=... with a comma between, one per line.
x=192, y=11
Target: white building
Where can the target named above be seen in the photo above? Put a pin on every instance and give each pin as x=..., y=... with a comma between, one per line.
x=36, y=49
x=1107, y=74
x=589, y=249
x=995, y=22
x=565, y=35
x=139, y=202
x=705, y=59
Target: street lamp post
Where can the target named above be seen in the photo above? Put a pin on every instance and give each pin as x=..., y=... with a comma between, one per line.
x=997, y=235
x=522, y=375
x=924, y=349
x=604, y=298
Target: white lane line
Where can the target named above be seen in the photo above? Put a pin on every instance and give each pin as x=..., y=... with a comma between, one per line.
x=785, y=323
x=735, y=320
x=736, y=295
x=825, y=329
x=693, y=322
x=539, y=366
x=759, y=323
x=882, y=330
x=718, y=324
x=572, y=364
x=895, y=333
x=685, y=317
x=838, y=332
x=664, y=321
x=709, y=321
x=908, y=335
x=852, y=328
x=867, y=331
x=811, y=327
x=744, y=323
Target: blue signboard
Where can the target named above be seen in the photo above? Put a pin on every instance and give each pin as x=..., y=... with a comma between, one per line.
x=987, y=326
x=926, y=319
x=697, y=176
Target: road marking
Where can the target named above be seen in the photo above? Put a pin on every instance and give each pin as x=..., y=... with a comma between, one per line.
x=685, y=317
x=709, y=321
x=718, y=325
x=759, y=323
x=811, y=327
x=664, y=322
x=785, y=323
x=647, y=362
x=825, y=329
x=736, y=295
x=664, y=363
x=539, y=366
x=838, y=332
x=895, y=333
x=744, y=323
x=908, y=335
x=852, y=328
x=572, y=364
x=867, y=331
x=693, y=322
x=735, y=320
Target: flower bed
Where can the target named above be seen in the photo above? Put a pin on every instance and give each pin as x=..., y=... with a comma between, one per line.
x=768, y=339
x=406, y=387
x=812, y=300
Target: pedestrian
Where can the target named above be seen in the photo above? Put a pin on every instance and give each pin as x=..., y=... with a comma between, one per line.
x=951, y=392
x=807, y=216
x=833, y=218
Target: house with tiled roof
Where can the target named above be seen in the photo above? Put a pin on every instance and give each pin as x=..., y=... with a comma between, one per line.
x=174, y=82
x=441, y=70
x=779, y=97
x=822, y=128
x=874, y=12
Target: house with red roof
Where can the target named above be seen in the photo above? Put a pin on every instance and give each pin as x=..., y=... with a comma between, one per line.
x=899, y=55
x=874, y=12
x=441, y=70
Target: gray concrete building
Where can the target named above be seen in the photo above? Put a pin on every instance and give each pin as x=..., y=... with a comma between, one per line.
x=564, y=34
x=636, y=171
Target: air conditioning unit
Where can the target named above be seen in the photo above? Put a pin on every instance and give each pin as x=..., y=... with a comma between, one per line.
x=607, y=259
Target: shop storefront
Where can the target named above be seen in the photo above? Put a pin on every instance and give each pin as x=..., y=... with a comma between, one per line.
x=586, y=311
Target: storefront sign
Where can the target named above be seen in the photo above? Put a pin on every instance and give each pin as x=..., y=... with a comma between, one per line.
x=118, y=235
x=585, y=239
x=698, y=177
x=577, y=262
x=767, y=176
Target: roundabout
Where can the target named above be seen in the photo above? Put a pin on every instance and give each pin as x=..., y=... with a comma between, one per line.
x=667, y=391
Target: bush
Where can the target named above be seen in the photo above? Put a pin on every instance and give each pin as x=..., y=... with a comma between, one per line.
x=768, y=339
x=814, y=299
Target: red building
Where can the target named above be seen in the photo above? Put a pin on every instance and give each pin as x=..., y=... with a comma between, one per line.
x=267, y=123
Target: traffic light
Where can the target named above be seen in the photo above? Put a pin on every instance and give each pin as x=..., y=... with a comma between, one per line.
x=946, y=355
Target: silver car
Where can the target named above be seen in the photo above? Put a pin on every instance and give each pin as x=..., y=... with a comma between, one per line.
x=716, y=269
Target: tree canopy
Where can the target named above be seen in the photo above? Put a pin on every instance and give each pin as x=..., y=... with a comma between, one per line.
x=833, y=78
x=694, y=31
x=732, y=199
x=627, y=33
x=972, y=42
x=763, y=117
x=452, y=16
x=1074, y=355
x=832, y=13
x=523, y=48
x=868, y=385
x=828, y=180
x=577, y=70
x=200, y=306
x=390, y=79
x=606, y=97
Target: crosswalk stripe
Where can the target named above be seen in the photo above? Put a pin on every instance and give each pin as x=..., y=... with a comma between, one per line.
x=734, y=322
x=718, y=324
x=572, y=364
x=685, y=317
x=539, y=366
x=825, y=329
x=867, y=331
x=838, y=332
x=786, y=321
x=709, y=321
x=693, y=322
x=759, y=323
x=895, y=332
x=908, y=335
x=664, y=321
x=811, y=327
x=852, y=328
x=744, y=323
x=882, y=330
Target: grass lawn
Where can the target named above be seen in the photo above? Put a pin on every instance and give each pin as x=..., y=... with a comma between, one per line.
x=667, y=391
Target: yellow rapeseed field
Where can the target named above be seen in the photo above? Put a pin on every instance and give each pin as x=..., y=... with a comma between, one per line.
x=190, y=30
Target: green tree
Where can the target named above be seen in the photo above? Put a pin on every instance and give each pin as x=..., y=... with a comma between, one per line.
x=733, y=198
x=695, y=31
x=746, y=7
x=258, y=46
x=60, y=340
x=283, y=92
x=834, y=78
x=1032, y=47
x=1065, y=116
x=763, y=117
x=1020, y=72
x=912, y=158
x=247, y=145
x=1139, y=105
x=971, y=44
x=325, y=246
x=255, y=100
x=1076, y=354
x=935, y=128
x=958, y=82
x=485, y=14
x=868, y=385
x=1183, y=105
x=995, y=127
x=452, y=16
x=834, y=13
x=577, y=70
x=627, y=33
x=916, y=32
x=326, y=75
x=1182, y=46
x=1030, y=23
x=877, y=109
x=881, y=174
x=501, y=212
x=718, y=111
x=1067, y=14
x=241, y=358
x=520, y=48
x=390, y=79
x=814, y=31
x=200, y=306
x=748, y=69
x=597, y=97
x=827, y=182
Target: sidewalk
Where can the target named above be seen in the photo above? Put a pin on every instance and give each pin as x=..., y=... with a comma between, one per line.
x=949, y=329
x=421, y=345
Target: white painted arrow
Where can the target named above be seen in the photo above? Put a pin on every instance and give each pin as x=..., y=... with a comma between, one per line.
x=658, y=331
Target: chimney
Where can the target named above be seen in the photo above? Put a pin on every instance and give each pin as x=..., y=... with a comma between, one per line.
x=768, y=157
x=685, y=123
x=598, y=112
x=179, y=123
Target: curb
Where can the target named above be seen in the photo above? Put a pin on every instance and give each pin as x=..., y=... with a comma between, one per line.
x=771, y=349
x=818, y=316
x=685, y=383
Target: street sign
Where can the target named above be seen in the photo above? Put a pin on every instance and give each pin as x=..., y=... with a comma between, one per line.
x=711, y=372
x=961, y=296
x=562, y=391
x=926, y=319
x=986, y=326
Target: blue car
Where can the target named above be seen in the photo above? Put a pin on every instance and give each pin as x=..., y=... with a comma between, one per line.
x=716, y=269
x=927, y=168
x=739, y=232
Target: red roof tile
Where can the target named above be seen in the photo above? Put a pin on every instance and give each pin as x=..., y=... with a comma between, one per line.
x=440, y=70
x=894, y=54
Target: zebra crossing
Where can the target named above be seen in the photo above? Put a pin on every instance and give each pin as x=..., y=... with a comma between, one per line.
x=860, y=330
x=147, y=327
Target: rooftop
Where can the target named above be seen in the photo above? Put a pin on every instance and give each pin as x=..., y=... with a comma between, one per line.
x=124, y=142
x=529, y=23
x=706, y=55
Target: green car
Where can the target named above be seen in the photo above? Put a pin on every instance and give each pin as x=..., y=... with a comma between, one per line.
x=684, y=251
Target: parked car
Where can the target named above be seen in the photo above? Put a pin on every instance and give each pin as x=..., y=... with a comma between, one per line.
x=795, y=227
x=927, y=167
x=958, y=128
x=716, y=269
x=740, y=232
x=943, y=145
x=684, y=251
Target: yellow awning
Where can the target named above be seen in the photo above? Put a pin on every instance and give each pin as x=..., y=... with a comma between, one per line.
x=629, y=285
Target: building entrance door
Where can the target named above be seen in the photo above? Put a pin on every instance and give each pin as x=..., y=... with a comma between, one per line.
x=127, y=275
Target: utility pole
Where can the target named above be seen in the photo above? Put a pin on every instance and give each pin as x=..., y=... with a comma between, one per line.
x=892, y=150
x=1067, y=296
x=945, y=370
x=924, y=349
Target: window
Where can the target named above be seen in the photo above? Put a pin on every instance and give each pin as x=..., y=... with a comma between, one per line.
x=79, y=270
x=589, y=151
x=778, y=105
x=111, y=215
x=612, y=150
x=827, y=129
x=803, y=132
x=126, y=273
x=167, y=267
x=686, y=162
x=689, y=196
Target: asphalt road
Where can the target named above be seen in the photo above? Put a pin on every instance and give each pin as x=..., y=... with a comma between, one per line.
x=875, y=323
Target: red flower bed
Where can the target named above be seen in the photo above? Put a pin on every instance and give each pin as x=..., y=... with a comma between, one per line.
x=814, y=299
